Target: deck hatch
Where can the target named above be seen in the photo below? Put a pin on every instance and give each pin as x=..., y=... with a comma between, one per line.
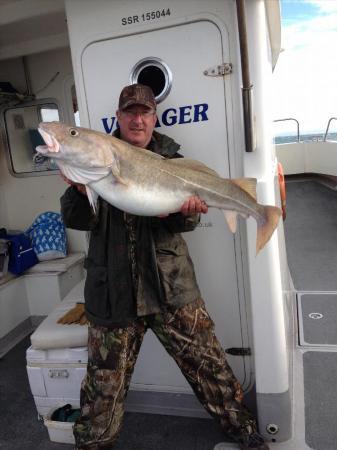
x=317, y=314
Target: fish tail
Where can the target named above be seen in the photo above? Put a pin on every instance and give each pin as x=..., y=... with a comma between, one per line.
x=266, y=225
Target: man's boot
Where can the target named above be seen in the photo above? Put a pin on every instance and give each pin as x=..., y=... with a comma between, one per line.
x=253, y=441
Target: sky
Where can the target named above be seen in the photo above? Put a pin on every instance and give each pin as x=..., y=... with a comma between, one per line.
x=305, y=77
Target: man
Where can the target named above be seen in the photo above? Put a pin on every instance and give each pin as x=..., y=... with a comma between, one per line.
x=140, y=276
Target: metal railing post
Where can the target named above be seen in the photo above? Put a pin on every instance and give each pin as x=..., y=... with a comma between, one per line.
x=297, y=122
x=327, y=128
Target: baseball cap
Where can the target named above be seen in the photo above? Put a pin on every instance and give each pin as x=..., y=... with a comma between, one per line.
x=137, y=94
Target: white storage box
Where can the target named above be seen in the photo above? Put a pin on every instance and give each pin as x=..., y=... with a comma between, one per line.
x=57, y=359
x=55, y=376
x=59, y=431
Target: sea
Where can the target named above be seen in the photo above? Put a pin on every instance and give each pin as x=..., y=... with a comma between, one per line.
x=304, y=138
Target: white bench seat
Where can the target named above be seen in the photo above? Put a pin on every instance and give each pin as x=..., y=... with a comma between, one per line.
x=52, y=335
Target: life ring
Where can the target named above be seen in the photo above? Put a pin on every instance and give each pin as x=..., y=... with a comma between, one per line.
x=282, y=184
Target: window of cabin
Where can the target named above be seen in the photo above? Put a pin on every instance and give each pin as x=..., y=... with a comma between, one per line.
x=21, y=125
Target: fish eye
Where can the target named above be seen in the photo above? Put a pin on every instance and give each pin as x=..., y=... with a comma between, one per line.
x=73, y=132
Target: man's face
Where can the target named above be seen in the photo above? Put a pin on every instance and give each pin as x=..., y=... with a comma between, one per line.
x=136, y=124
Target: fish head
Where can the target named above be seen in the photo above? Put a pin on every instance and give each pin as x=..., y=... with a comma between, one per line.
x=79, y=147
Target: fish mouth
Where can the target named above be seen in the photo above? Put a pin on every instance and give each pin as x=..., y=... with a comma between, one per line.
x=52, y=145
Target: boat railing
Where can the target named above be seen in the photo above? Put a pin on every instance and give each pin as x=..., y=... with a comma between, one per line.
x=327, y=128
x=310, y=136
x=311, y=153
x=297, y=124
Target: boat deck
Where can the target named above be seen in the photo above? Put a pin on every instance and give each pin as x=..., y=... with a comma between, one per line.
x=20, y=428
x=311, y=241
x=311, y=236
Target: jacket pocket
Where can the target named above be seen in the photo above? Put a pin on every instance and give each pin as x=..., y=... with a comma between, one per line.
x=96, y=291
x=168, y=244
x=177, y=277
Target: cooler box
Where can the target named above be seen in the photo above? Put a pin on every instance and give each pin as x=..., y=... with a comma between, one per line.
x=57, y=358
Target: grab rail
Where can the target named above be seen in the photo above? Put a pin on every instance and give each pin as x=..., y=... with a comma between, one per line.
x=327, y=128
x=295, y=120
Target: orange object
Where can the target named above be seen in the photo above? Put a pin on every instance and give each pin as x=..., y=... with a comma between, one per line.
x=74, y=315
x=282, y=189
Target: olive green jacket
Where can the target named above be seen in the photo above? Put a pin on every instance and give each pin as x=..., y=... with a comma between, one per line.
x=165, y=272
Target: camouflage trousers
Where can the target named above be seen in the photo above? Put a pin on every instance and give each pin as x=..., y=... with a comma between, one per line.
x=187, y=334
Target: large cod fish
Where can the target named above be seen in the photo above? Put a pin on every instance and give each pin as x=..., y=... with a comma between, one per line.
x=141, y=182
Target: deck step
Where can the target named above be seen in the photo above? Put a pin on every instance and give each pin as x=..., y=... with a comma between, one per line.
x=320, y=387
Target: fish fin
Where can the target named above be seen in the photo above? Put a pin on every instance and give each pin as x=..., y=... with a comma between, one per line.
x=193, y=164
x=114, y=167
x=115, y=170
x=266, y=227
x=231, y=219
x=247, y=184
x=92, y=197
x=81, y=175
x=118, y=179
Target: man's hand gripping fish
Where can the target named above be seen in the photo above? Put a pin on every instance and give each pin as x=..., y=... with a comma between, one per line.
x=141, y=182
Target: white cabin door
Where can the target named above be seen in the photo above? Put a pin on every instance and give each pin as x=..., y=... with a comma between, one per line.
x=195, y=114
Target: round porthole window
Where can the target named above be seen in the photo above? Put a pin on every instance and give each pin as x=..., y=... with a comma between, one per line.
x=155, y=73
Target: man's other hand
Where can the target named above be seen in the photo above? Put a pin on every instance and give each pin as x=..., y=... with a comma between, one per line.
x=80, y=187
x=194, y=206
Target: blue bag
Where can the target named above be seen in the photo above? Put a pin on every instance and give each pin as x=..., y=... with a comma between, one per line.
x=48, y=235
x=21, y=252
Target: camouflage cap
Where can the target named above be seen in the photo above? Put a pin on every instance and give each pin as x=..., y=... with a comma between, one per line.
x=137, y=94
